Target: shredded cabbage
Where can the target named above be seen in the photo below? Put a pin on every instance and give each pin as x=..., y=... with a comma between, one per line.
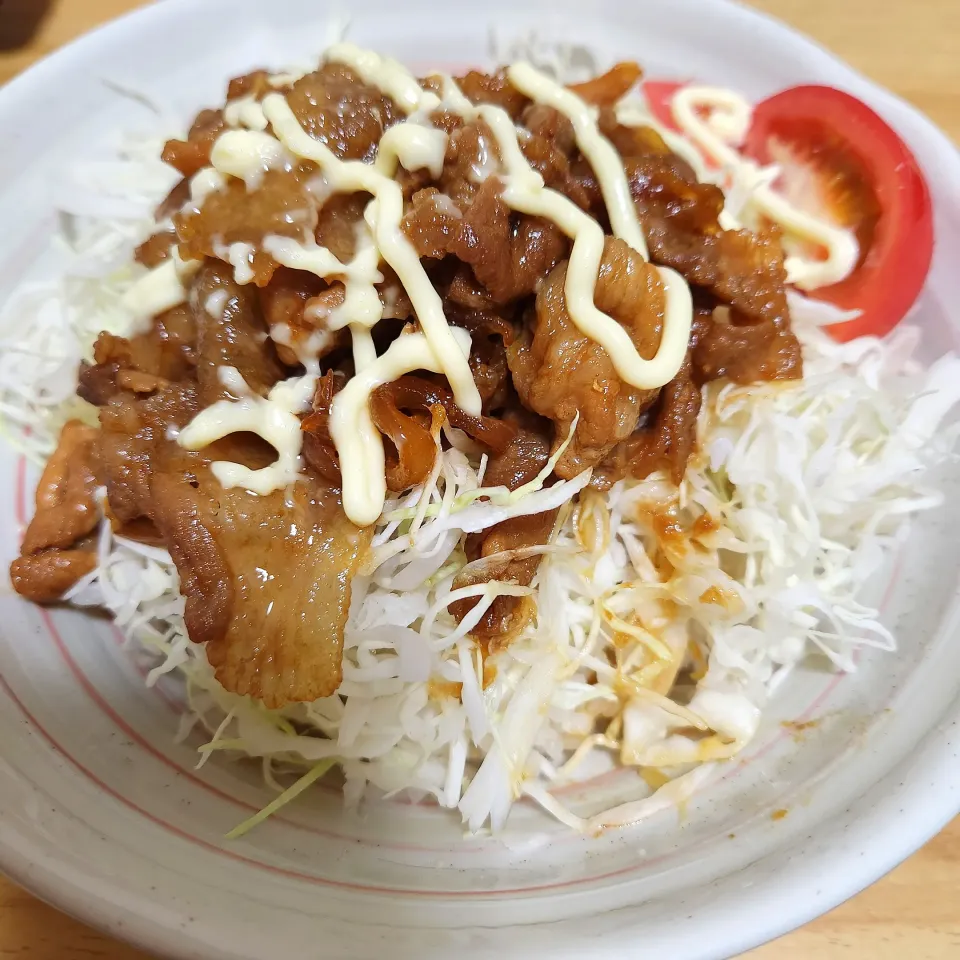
x=664, y=617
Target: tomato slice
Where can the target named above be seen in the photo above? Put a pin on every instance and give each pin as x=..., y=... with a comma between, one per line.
x=659, y=94
x=869, y=181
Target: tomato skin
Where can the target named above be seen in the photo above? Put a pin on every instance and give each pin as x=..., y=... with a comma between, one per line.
x=896, y=258
x=659, y=94
x=895, y=265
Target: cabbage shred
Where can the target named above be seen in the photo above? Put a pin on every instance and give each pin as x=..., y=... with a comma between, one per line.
x=664, y=618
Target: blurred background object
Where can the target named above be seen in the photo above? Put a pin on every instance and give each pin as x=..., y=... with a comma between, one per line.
x=20, y=20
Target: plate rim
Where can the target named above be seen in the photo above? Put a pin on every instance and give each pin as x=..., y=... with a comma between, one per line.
x=937, y=751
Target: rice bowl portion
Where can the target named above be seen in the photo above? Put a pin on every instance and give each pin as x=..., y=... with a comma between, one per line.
x=661, y=615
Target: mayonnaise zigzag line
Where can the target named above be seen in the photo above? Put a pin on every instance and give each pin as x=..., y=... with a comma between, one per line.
x=416, y=144
x=384, y=214
x=727, y=122
x=525, y=192
x=351, y=426
x=598, y=150
x=273, y=418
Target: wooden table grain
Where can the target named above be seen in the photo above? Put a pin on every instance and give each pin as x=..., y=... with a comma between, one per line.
x=914, y=49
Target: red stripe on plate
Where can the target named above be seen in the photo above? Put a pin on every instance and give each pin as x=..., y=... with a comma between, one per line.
x=294, y=874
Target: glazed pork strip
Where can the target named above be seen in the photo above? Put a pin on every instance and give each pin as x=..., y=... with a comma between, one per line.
x=493, y=552
x=66, y=514
x=267, y=579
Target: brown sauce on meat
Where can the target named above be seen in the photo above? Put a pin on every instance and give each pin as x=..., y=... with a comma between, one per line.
x=45, y=577
x=267, y=579
x=280, y=206
x=54, y=551
x=235, y=336
x=288, y=560
x=193, y=154
x=343, y=113
x=560, y=373
x=154, y=250
x=494, y=551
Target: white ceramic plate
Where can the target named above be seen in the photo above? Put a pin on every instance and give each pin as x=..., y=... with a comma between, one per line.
x=102, y=814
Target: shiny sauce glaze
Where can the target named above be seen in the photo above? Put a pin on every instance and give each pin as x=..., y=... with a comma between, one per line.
x=358, y=259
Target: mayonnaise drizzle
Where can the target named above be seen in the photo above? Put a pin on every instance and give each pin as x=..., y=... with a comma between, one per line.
x=634, y=112
x=385, y=73
x=273, y=418
x=525, y=191
x=352, y=428
x=245, y=112
x=598, y=150
x=412, y=146
x=240, y=256
x=361, y=307
x=727, y=123
x=362, y=304
x=415, y=144
x=384, y=214
x=247, y=155
x=202, y=184
x=364, y=350
x=158, y=290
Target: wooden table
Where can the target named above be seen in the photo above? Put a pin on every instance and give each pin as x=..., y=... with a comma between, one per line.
x=914, y=49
